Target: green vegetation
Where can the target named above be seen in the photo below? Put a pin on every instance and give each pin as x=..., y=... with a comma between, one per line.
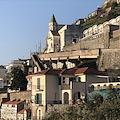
x=87, y=63
x=96, y=109
x=94, y=21
x=115, y=11
x=18, y=79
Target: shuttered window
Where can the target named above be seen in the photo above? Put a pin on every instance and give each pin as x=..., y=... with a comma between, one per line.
x=38, y=99
x=38, y=83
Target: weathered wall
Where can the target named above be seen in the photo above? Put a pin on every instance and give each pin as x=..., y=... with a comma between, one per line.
x=109, y=58
x=91, y=42
x=106, y=39
x=24, y=95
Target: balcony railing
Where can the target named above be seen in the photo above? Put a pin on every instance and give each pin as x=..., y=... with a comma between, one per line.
x=40, y=103
x=41, y=88
x=54, y=102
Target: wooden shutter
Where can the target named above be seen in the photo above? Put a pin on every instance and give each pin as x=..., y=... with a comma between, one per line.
x=36, y=98
x=40, y=99
x=38, y=83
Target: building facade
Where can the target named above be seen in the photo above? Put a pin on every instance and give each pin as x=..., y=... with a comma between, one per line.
x=67, y=86
x=14, y=110
x=61, y=35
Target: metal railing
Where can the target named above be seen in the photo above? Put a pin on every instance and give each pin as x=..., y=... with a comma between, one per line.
x=54, y=102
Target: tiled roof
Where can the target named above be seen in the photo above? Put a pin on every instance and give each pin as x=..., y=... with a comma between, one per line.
x=48, y=72
x=28, y=77
x=13, y=102
x=85, y=70
x=42, y=72
x=21, y=112
x=68, y=71
x=81, y=70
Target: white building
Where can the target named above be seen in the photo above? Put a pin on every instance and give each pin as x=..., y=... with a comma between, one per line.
x=13, y=110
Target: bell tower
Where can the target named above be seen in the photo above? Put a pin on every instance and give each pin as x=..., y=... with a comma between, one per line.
x=53, y=24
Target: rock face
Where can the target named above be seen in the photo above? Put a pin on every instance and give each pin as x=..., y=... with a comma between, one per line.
x=110, y=1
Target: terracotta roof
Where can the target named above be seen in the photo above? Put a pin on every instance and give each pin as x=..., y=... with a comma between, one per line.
x=13, y=102
x=42, y=72
x=48, y=72
x=88, y=70
x=62, y=71
x=81, y=70
x=85, y=70
x=21, y=112
x=28, y=77
x=68, y=71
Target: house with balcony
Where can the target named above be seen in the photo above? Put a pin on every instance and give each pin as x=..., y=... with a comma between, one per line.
x=60, y=87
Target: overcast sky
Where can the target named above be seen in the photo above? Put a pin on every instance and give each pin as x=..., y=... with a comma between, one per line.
x=24, y=23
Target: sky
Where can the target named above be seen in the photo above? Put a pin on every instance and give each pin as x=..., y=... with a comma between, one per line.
x=24, y=23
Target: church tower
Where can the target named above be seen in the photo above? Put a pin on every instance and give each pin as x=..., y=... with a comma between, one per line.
x=53, y=24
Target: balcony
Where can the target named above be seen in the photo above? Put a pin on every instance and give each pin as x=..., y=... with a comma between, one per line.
x=41, y=88
x=66, y=87
x=54, y=102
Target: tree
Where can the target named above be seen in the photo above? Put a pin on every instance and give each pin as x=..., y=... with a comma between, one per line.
x=25, y=69
x=18, y=79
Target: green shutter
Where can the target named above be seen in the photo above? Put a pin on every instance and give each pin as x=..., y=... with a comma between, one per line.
x=40, y=99
x=38, y=83
x=36, y=98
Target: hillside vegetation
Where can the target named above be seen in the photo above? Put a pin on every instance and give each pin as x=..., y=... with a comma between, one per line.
x=114, y=12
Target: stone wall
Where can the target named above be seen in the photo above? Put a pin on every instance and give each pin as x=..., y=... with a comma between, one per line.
x=56, y=107
x=2, y=96
x=91, y=42
x=24, y=95
x=109, y=58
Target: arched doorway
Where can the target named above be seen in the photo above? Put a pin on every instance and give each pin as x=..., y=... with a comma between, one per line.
x=39, y=114
x=66, y=98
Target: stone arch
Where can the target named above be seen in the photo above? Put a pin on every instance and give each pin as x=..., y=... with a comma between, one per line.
x=98, y=87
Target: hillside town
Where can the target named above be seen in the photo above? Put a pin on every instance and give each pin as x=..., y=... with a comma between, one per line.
x=78, y=61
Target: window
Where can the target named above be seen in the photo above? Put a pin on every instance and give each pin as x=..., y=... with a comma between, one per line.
x=13, y=105
x=78, y=95
x=74, y=40
x=38, y=99
x=63, y=80
x=38, y=83
x=79, y=79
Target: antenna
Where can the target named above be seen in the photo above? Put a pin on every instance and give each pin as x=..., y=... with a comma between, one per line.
x=40, y=47
x=36, y=48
